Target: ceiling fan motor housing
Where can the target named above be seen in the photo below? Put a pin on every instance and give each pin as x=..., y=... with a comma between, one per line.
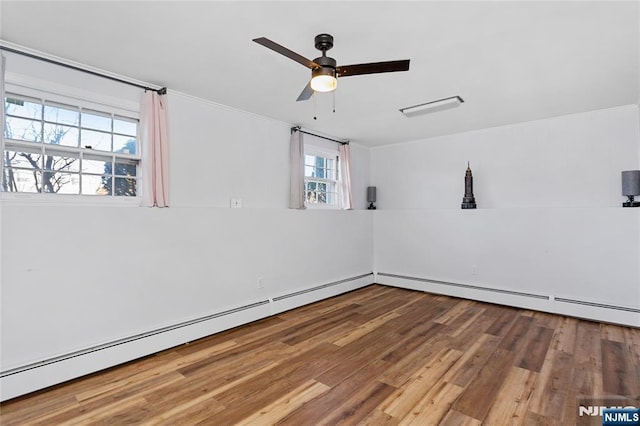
x=327, y=66
x=325, y=61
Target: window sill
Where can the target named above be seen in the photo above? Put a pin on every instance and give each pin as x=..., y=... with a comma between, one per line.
x=321, y=207
x=68, y=200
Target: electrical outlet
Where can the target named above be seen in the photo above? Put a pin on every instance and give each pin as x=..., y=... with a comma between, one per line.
x=260, y=282
x=474, y=269
x=236, y=203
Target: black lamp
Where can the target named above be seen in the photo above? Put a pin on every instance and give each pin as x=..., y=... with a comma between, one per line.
x=371, y=197
x=631, y=187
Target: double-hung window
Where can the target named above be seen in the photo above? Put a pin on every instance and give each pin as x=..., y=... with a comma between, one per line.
x=59, y=146
x=321, y=179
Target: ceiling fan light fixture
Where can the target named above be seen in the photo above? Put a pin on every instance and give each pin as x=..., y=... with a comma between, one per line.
x=324, y=79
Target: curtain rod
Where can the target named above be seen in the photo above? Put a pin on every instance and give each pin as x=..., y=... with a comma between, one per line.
x=299, y=129
x=162, y=91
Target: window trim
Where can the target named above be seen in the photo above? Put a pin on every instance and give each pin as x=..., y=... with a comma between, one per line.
x=29, y=198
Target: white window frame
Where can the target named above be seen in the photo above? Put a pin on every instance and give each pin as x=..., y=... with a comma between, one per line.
x=319, y=149
x=59, y=94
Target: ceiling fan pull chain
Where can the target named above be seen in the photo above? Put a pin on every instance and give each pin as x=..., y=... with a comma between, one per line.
x=315, y=109
x=334, y=101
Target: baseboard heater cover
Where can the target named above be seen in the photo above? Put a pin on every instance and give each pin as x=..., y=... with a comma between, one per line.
x=593, y=311
x=597, y=305
x=320, y=287
x=468, y=286
x=129, y=339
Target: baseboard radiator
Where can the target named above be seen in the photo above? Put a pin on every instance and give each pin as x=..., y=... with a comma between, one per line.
x=44, y=373
x=298, y=298
x=624, y=315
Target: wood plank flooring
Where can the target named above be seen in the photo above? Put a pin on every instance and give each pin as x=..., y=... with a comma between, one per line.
x=376, y=356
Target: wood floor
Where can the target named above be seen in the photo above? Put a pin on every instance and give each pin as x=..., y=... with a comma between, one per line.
x=378, y=355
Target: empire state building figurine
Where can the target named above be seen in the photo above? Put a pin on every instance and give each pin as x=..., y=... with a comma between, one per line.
x=469, y=201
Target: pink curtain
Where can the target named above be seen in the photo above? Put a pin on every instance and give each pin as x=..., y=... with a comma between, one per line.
x=296, y=163
x=2, y=67
x=346, y=201
x=154, y=139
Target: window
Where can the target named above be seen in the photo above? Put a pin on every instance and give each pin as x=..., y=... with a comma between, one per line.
x=58, y=148
x=321, y=177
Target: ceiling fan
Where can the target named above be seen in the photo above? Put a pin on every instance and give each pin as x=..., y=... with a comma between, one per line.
x=325, y=71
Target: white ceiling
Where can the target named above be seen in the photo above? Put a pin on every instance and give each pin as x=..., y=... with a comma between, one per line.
x=510, y=61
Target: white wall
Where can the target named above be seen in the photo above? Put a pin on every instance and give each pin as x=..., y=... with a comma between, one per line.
x=75, y=275
x=569, y=161
x=548, y=222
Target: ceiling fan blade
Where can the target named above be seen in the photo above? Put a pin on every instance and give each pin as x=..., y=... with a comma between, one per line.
x=286, y=52
x=306, y=93
x=373, y=68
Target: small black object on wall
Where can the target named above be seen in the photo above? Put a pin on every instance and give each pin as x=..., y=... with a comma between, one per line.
x=371, y=197
x=631, y=187
x=468, y=201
